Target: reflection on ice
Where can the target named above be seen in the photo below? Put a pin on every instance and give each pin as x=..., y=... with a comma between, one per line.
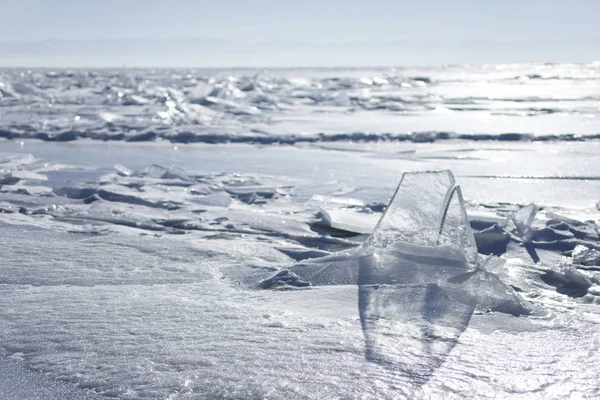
x=419, y=277
x=413, y=307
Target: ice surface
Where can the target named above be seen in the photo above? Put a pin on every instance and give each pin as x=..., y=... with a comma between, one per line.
x=19, y=383
x=153, y=293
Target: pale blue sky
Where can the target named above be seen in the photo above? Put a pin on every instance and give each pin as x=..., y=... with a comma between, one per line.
x=331, y=26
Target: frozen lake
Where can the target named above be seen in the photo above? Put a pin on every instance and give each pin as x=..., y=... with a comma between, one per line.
x=131, y=261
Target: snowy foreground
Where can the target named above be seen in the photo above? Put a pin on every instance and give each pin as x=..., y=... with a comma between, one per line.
x=138, y=271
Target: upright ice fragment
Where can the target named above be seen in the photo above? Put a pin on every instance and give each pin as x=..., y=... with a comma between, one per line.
x=426, y=210
x=522, y=220
x=455, y=229
x=419, y=277
x=122, y=170
x=416, y=210
x=413, y=301
x=160, y=172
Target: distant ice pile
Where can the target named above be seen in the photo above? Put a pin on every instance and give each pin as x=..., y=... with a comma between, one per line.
x=504, y=102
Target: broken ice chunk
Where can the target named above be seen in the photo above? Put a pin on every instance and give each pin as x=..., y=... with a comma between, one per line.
x=218, y=199
x=347, y=220
x=123, y=171
x=491, y=293
x=415, y=212
x=159, y=172
x=407, y=264
x=15, y=160
x=176, y=173
x=455, y=228
x=283, y=278
x=336, y=269
x=419, y=277
x=155, y=171
x=568, y=281
x=8, y=179
x=425, y=218
x=522, y=220
x=426, y=210
x=583, y=255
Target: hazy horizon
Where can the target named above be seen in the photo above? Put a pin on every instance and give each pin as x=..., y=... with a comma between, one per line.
x=311, y=33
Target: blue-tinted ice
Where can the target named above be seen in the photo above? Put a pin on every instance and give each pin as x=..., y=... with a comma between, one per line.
x=419, y=277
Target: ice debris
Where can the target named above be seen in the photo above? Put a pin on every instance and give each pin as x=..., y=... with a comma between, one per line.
x=159, y=172
x=283, y=279
x=520, y=222
x=426, y=210
x=568, y=281
x=419, y=276
x=583, y=255
x=424, y=238
x=122, y=170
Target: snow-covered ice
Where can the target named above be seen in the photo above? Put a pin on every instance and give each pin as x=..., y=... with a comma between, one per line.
x=132, y=267
x=500, y=102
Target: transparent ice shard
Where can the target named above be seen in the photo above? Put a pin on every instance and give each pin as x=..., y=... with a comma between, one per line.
x=416, y=210
x=336, y=269
x=155, y=171
x=419, y=277
x=122, y=170
x=424, y=221
x=176, y=173
x=455, y=228
x=522, y=220
x=567, y=280
x=160, y=172
x=425, y=217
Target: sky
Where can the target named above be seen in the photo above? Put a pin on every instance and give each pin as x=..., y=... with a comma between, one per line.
x=296, y=32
